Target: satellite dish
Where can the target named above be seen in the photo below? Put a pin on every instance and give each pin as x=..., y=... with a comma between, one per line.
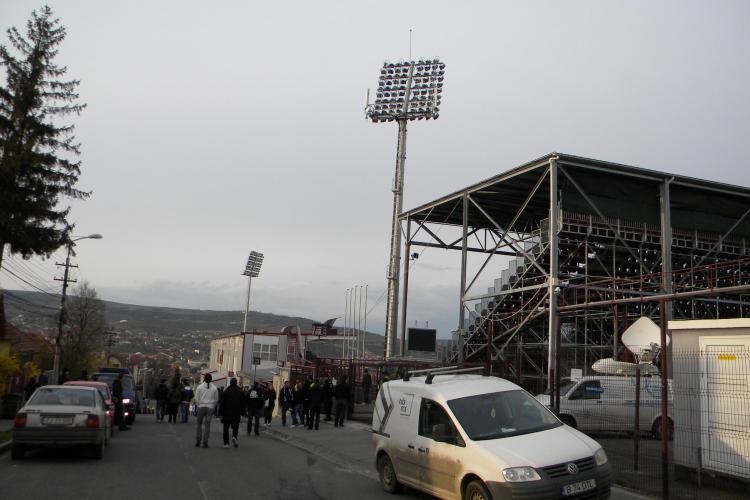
x=640, y=335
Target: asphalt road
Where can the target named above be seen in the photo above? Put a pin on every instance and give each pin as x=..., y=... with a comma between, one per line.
x=160, y=461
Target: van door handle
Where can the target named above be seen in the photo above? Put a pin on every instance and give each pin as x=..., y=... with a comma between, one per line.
x=423, y=450
x=411, y=446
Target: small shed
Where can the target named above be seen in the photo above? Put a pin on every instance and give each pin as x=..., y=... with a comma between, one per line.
x=711, y=383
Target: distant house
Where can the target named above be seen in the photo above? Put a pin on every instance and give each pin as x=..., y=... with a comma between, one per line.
x=27, y=347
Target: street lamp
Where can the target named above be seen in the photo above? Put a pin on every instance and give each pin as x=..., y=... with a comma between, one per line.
x=407, y=90
x=61, y=319
x=252, y=270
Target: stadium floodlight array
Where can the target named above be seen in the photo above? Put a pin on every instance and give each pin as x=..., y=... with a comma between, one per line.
x=254, y=263
x=409, y=90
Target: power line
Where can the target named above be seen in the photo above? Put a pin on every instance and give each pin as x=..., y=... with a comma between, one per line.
x=27, y=282
x=28, y=275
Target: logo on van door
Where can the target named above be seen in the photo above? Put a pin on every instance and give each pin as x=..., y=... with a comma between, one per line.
x=404, y=404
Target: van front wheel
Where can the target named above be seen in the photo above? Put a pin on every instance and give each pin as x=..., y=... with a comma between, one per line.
x=388, y=475
x=476, y=490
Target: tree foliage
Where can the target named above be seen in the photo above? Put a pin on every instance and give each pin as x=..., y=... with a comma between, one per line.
x=39, y=163
x=83, y=341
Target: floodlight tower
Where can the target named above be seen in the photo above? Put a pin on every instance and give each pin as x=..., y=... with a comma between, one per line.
x=407, y=90
x=252, y=270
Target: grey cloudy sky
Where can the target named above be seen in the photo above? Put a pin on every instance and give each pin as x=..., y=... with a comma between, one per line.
x=214, y=128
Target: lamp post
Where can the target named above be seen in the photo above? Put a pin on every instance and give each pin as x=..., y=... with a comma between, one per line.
x=407, y=90
x=61, y=318
x=252, y=270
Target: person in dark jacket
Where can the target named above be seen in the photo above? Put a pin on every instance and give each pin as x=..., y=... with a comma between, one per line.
x=327, y=399
x=298, y=418
x=315, y=401
x=173, y=402
x=366, y=386
x=342, y=395
x=231, y=410
x=160, y=394
x=286, y=402
x=117, y=398
x=254, y=408
x=269, y=401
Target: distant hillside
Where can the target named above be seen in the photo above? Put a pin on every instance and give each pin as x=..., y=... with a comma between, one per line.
x=41, y=309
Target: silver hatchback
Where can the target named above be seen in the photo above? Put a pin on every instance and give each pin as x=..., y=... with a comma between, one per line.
x=57, y=415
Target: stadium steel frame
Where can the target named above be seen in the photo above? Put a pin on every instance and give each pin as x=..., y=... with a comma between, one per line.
x=593, y=245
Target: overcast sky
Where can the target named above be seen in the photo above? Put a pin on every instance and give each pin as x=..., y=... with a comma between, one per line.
x=216, y=128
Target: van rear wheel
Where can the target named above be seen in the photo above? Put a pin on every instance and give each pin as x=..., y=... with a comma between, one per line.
x=656, y=429
x=387, y=473
x=476, y=490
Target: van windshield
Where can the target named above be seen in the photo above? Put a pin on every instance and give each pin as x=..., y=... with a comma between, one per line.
x=501, y=414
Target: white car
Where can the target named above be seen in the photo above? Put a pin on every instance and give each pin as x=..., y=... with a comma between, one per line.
x=61, y=415
x=472, y=437
x=600, y=403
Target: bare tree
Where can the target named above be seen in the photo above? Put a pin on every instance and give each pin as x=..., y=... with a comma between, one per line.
x=84, y=341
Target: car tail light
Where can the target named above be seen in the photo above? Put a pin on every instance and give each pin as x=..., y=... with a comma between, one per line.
x=92, y=421
x=20, y=420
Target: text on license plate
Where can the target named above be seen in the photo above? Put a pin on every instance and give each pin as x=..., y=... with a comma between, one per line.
x=57, y=420
x=580, y=487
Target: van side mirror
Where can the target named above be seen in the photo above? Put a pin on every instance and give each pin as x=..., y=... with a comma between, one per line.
x=442, y=433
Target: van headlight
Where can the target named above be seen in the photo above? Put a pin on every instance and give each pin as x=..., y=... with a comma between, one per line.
x=520, y=474
x=600, y=457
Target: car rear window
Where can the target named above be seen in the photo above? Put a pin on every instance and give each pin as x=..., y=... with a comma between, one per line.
x=62, y=396
x=127, y=381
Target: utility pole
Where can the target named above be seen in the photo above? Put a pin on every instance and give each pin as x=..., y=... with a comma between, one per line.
x=61, y=319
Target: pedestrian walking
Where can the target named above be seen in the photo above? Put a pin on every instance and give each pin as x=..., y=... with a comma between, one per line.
x=286, y=402
x=31, y=386
x=173, y=402
x=269, y=401
x=160, y=393
x=206, y=399
x=327, y=399
x=231, y=406
x=254, y=408
x=315, y=400
x=342, y=394
x=298, y=417
x=187, y=395
x=117, y=398
x=366, y=386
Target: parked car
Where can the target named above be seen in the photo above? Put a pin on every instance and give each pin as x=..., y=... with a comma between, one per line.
x=600, y=403
x=128, y=390
x=106, y=394
x=61, y=415
x=468, y=436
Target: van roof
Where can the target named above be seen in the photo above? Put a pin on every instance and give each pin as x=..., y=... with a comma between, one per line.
x=449, y=387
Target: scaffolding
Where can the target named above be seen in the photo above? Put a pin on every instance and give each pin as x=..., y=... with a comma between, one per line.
x=593, y=245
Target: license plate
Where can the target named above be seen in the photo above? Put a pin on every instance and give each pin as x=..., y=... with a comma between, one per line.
x=580, y=487
x=57, y=420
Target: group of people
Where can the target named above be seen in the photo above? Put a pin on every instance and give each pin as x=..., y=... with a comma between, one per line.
x=173, y=399
x=305, y=401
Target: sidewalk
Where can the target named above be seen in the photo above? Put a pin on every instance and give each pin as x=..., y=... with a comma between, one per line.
x=350, y=448
x=6, y=424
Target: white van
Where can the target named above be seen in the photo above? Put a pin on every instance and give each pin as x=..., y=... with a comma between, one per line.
x=600, y=403
x=474, y=437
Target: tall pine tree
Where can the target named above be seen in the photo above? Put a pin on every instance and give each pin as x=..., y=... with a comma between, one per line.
x=39, y=164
